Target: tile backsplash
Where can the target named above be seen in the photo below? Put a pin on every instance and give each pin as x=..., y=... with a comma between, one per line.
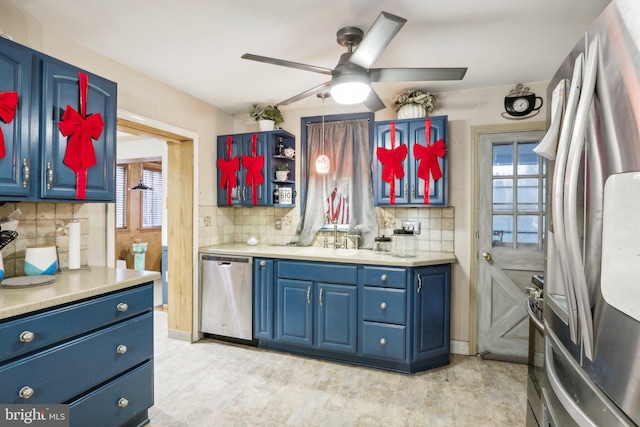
x=44, y=224
x=229, y=225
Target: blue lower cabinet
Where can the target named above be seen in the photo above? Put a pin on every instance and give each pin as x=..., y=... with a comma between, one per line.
x=337, y=317
x=386, y=317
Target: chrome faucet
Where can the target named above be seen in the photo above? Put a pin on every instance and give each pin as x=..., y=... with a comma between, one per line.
x=336, y=244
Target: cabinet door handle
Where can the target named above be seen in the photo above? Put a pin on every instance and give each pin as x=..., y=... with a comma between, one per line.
x=320, y=297
x=406, y=187
x=419, y=283
x=122, y=349
x=413, y=191
x=123, y=403
x=308, y=294
x=27, y=336
x=26, y=392
x=50, y=175
x=122, y=307
x=263, y=263
x=26, y=174
x=383, y=306
x=384, y=277
x=383, y=341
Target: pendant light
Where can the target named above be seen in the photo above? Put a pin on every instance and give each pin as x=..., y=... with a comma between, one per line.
x=141, y=185
x=323, y=164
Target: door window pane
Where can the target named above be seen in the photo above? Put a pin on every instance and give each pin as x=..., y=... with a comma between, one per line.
x=528, y=193
x=527, y=159
x=528, y=226
x=502, y=230
x=503, y=195
x=502, y=159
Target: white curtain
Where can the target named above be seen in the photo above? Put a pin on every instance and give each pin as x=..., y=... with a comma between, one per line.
x=344, y=194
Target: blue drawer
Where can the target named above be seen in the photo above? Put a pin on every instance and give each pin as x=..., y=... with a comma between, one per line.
x=62, y=372
x=384, y=305
x=385, y=277
x=318, y=272
x=384, y=341
x=62, y=323
x=104, y=406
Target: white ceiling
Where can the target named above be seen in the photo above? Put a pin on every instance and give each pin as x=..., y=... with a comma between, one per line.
x=195, y=45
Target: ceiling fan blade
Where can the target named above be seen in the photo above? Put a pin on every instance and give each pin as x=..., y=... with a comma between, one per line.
x=373, y=102
x=377, y=38
x=312, y=91
x=415, y=74
x=284, y=63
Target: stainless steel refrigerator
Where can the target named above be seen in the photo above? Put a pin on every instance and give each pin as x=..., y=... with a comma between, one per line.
x=592, y=275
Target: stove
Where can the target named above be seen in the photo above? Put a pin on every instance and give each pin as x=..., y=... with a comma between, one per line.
x=536, y=370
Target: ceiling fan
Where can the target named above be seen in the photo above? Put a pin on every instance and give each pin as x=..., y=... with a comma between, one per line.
x=353, y=74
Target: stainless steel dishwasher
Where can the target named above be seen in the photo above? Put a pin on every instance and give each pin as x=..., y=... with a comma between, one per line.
x=226, y=286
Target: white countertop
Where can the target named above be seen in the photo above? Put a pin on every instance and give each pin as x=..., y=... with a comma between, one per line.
x=313, y=253
x=70, y=285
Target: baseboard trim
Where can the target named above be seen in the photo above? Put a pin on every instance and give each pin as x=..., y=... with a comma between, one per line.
x=459, y=347
x=174, y=334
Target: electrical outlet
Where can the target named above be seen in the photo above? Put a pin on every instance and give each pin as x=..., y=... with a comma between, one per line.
x=412, y=225
x=278, y=224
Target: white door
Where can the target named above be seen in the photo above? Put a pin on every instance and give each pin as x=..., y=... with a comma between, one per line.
x=511, y=224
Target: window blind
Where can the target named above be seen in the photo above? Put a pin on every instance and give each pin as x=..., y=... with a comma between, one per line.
x=121, y=196
x=152, y=199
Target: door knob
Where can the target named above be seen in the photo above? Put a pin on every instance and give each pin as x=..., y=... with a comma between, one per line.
x=486, y=256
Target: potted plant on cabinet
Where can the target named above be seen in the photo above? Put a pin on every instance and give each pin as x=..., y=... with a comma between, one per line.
x=413, y=104
x=282, y=172
x=268, y=117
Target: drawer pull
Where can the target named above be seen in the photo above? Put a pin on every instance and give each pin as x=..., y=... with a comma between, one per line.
x=383, y=306
x=383, y=341
x=122, y=307
x=123, y=403
x=25, y=392
x=384, y=277
x=122, y=349
x=263, y=263
x=27, y=336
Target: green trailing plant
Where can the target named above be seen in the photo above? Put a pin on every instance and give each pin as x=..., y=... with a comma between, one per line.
x=282, y=167
x=268, y=112
x=415, y=97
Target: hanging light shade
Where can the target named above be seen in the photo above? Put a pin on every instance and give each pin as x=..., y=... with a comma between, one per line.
x=140, y=186
x=323, y=164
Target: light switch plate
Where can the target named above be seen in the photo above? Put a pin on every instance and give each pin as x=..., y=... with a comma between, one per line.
x=278, y=224
x=411, y=225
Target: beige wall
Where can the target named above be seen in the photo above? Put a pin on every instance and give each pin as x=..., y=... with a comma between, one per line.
x=142, y=95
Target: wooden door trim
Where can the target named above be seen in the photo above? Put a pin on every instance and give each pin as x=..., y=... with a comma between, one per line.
x=476, y=131
x=182, y=149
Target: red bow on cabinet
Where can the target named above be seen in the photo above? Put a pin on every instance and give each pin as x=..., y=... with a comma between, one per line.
x=229, y=168
x=428, y=157
x=391, y=160
x=253, y=164
x=81, y=130
x=8, y=104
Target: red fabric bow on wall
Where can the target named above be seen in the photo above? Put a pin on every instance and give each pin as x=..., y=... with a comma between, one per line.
x=428, y=157
x=81, y=130
x=392, y=163
x=253, y=164
x=8, y=104
x=229, y=168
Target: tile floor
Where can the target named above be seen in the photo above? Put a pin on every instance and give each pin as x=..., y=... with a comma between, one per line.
x=211, y=383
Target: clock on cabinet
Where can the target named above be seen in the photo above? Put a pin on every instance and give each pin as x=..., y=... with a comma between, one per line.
x=520, y=103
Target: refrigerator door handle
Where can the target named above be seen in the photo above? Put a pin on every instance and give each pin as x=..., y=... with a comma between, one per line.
x=557, y=209
x=563, y=396
x=570, y=197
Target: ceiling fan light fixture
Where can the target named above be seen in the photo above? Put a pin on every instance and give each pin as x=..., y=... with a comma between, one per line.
x=350, y=88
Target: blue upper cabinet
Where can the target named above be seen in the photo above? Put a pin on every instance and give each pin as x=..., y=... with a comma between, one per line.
x=16, y=65
x=237, y=170
x=61, y=89
x=419, y=167
x=33, y=167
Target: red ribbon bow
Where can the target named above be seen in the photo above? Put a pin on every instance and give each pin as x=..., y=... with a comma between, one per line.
x=229, y=168
x=392, y=163
x=253, y=164
x=8, y=104
x=428, y=157
x=81, y=130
